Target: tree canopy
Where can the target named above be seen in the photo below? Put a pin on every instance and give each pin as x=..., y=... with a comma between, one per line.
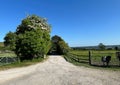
x=101, y=46
x=31, y=23
x=59, y=46
x=32, y=38
x=9, y=40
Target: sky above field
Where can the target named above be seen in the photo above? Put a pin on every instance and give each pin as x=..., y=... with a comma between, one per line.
x=78, y=22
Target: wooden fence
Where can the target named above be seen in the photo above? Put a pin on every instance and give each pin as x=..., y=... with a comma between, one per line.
x=78, y=58
x=94, y=58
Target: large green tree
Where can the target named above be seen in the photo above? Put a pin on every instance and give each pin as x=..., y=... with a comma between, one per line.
x=32, y=44
x=32, y=38
x=9, y=40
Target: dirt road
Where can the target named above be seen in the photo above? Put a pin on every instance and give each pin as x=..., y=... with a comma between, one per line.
x=56, y=71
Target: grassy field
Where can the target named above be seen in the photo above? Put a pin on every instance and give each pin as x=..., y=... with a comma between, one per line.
x=98, y=53
x=8, y=54
x=80, y=57
x=1, y=44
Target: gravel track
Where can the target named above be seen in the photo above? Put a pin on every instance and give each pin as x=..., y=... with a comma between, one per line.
x=56, y=71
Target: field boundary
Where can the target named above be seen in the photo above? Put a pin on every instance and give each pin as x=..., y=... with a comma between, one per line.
x=8, y=60
x=92, y=59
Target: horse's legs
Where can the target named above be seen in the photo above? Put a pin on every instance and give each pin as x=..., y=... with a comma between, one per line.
x=107, y=63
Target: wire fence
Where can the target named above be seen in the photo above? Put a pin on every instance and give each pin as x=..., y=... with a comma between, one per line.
x=96, y=59
x=7, y=60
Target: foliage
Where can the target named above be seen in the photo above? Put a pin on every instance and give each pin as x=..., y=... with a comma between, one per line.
x=31, y=23
x=56, y=39
x=9, y=40
x=101, y=46
x=31, y=44
x=32, y=38
x=59, y=45
x=63, y=47
x=116, y=48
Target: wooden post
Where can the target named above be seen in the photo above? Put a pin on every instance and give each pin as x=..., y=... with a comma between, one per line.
x=118, y=57
x=89, y=58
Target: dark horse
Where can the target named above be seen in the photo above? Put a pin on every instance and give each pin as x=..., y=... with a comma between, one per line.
x=106, y=59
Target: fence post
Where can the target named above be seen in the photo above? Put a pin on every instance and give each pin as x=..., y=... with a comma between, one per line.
x=89, y=58
x=118, y=56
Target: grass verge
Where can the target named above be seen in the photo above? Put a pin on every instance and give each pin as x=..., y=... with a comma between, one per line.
x=22, y=64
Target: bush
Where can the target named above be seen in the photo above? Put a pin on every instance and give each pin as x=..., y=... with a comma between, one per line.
x=59, y=46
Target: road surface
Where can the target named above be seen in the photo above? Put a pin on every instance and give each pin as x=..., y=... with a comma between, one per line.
x=56, y=71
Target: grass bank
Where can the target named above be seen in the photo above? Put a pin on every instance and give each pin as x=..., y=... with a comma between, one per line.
x=22, y=64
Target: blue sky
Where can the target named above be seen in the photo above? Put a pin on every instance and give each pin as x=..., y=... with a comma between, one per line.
x=78, y=22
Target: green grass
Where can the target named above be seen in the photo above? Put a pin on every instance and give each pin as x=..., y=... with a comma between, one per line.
x=1, y=44
x=8, y=54
x=85, y=52
x=80, y=58
x=89, y=66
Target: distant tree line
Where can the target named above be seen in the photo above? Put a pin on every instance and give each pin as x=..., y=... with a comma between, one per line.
x=100, y=46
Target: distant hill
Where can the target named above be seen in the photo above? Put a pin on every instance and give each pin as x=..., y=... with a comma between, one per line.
x=96, y=47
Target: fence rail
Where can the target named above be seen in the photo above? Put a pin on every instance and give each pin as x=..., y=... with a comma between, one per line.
x=94, y=58
x=77, y=58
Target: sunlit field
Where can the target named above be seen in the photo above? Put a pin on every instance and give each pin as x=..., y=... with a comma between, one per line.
x=8, y=54
x=81, y=57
